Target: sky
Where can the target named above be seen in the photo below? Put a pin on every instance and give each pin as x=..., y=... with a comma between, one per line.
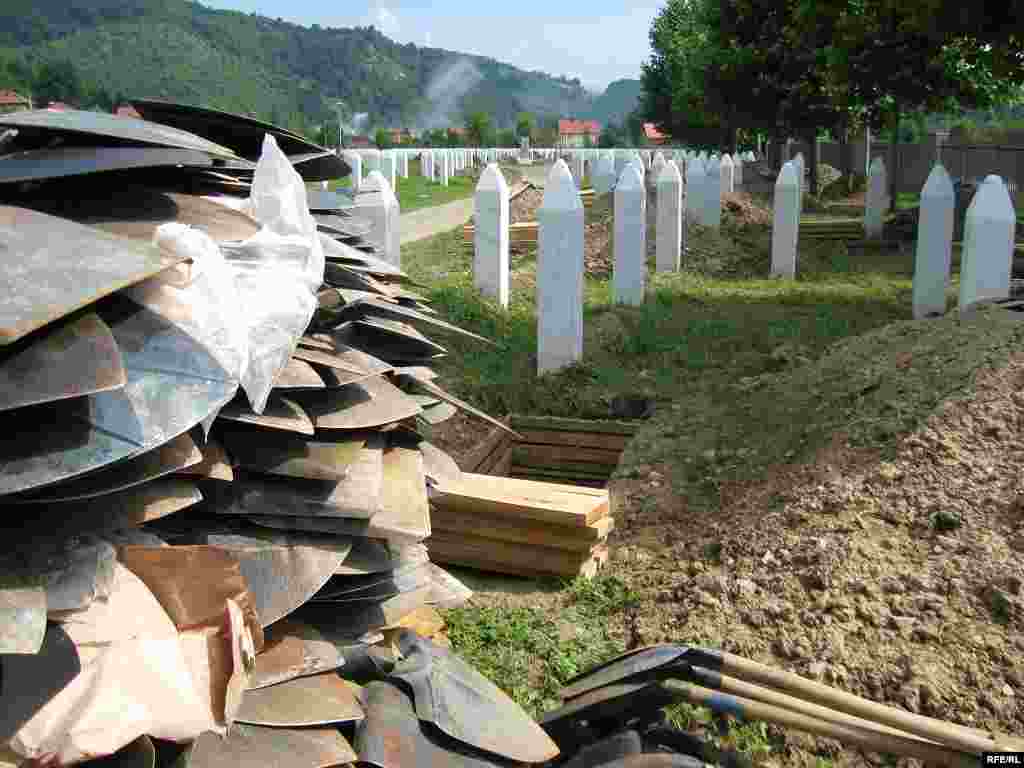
x=597, y=41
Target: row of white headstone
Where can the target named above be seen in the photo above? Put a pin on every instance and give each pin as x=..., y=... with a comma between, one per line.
x=988, y=243
x=560, y=264
x=436, y=164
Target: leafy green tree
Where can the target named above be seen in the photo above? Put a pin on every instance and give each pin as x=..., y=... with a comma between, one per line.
x=57, y=81
x=453, y=138
x=478, y=128
x=382, y=138
x=525, y=124
x=507, y=138
x=611, y=137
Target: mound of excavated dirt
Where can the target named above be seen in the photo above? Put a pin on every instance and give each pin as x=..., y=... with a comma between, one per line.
x=524, y=206
x=893, y=570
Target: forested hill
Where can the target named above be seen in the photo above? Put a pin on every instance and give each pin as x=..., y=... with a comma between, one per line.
x=104, y=50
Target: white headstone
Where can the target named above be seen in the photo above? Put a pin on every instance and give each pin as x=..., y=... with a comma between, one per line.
x=403, y=163
x=355, y=161
x=695, y=190
x=737, y=171
x=876, y=200
x=657, y=163
x=371, y=160
x=988, y=244
x=559, y=272
x=389, y=168
x=712, y=197
x=728, y=169
x=604, y=176
x=577, y=169
x=445, y=167
x=801, y=172
x=621, y=159
x=380, y=206
x=669, y=231
x=785, y=222
x=490, y=248
x=630, y=246
x=934, y=244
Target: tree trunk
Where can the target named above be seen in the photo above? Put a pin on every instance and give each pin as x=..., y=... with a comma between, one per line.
x=893, y=155
x=814, y=156
x=846, y=151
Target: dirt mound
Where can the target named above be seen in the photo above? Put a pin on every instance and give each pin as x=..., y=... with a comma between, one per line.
x=890, y=568
x=740, y=209
x=524, y=206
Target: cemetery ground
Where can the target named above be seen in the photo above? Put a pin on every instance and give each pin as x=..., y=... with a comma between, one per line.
x=418, y=192
x=825, y=484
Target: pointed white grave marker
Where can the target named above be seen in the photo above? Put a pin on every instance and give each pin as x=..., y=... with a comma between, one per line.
x=934, y=244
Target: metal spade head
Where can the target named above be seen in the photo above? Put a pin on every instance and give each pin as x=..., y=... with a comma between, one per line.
x=53, y=267
x=391, y=736
x=139, y=754
x=342, y=357
x=216, y=464
x=242, y=133
x=298, y=374
x=283, y=569
x=316, y=700
x=367, y=556
x=279, y=414
x=465, y=705
x=366, y=404
x=319, y=166
x=173, y=456
x=617, y=703
x=74, y=358
x=634, y=666
x=260, y=451
x=292, y=650
x=59, y=162
x=347, y=628
x=376, y=309
x=31, y=680
x=251, y=746
x=415, y=381
x=22, y=612
x=173, y=384
x=78, y=128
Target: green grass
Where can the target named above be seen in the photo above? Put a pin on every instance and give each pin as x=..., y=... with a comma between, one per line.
x=418, y=192
x=529, y=655
x=746, y=372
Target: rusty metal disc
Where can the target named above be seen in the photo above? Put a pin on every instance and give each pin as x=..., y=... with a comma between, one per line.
x=292, y=456
x=279, y=414
x=291, y=650
x=53, y=267
x=173, y=456
x=362, y=405
x=75, y=358
x=306, y=701
x=252, y=746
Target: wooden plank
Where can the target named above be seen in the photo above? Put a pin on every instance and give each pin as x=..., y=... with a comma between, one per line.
x=492, y=462
x=482, y=451
x=532, y=455
x=551, y=423
x=507, y=557
x=559, y=474
x=581, y=439
x=588, y=570
x=456, y=524
x=523, y=499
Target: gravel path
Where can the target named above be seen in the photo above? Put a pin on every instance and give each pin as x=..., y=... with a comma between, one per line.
x=427, y=222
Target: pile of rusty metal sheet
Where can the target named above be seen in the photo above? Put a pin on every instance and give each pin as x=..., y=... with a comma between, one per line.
x=213, y=469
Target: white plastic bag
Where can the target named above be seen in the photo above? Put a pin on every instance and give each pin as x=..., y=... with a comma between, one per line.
x=200, y=298
x=277, y=271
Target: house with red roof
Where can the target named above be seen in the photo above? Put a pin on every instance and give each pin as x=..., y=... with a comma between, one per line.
x=127, y=110
x=574, y=133
x=12, y=101
x=653, y=135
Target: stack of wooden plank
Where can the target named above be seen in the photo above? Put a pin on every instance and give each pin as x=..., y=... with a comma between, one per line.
x=526, y=231
x=522, y=527
x=580, y=451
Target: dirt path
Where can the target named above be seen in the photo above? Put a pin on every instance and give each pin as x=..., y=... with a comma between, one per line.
x=427, y=222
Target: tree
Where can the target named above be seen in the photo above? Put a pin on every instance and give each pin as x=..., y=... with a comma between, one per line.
x=611, y=137
x=478, y=128
x=525, y=124
x=454, y=138
x=57, y=81
x=382, y=138
x=506, y=138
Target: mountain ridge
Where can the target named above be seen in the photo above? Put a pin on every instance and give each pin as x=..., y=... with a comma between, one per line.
x=281, y=71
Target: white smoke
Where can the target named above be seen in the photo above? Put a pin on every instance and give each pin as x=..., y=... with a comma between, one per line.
x=445, y=93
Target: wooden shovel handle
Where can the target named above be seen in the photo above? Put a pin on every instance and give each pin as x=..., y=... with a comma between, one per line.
x=871, y=741
x=963, y=738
